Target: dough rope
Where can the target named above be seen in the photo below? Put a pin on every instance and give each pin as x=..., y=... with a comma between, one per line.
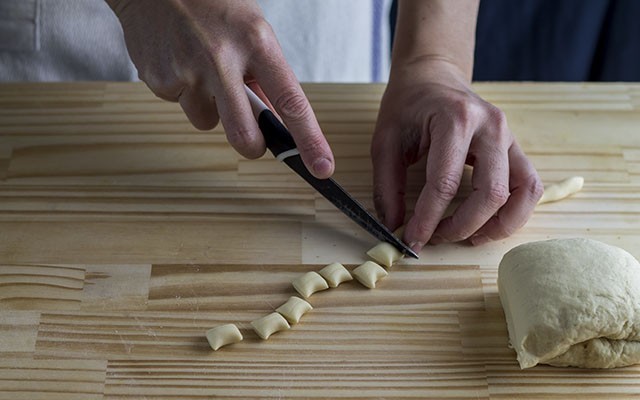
x=562, y=190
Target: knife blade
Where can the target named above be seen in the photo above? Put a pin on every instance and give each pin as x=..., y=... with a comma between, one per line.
x=280, y=142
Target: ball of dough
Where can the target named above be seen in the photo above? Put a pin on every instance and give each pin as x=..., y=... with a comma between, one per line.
x=572, y=302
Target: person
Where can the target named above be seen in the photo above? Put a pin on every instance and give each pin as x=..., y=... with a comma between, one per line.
x=200, y=53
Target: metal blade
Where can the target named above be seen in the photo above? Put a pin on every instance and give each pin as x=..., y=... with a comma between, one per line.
x=333, y=192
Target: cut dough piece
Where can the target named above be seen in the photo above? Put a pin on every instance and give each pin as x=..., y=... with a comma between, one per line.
x=270, y=324
x=223, y=335
x=385, y=253
x=294, y=309
x=572, y=302
x=335, y=274
x=369, y=273
x=562, y=189
x=309, y=283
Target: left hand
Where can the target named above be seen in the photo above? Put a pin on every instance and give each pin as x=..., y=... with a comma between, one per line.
x=429, y=109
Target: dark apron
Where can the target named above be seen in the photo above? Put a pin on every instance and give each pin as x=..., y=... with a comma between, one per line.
x=557, y=40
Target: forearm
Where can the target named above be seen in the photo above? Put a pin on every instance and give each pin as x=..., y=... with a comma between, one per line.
x=436, y=30
x=117, y=5
x=112, y=3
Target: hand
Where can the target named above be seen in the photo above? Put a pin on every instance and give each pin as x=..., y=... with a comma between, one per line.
x=200, y=53
x=430, y=110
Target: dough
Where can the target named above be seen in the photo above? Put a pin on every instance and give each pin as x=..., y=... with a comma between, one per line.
x=369, y=273
x=294, y=309
x=572, y=302
x=309, y=283
x=562, y=189
x=270, y=324
x=335, y=274
x=223, y=335
x=385, y=254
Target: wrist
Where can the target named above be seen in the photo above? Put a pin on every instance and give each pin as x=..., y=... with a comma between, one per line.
x=431, y=30
x=429, y=68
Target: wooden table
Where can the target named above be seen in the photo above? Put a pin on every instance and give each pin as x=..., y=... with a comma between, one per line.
x=125, y=234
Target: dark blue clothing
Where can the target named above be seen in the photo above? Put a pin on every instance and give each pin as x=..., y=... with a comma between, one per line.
x=557, y=40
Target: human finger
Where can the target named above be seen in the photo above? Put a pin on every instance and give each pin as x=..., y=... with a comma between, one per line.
x=445, y=164
x=283, y=90
x=490, y=184
x=526, y=189
x=389, y=181
x=235, y=112
x=200, y=108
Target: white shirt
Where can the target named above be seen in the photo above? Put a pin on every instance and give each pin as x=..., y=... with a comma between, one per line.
x=333, y=40
x=64, y=40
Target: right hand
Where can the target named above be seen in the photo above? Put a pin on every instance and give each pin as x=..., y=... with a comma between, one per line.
x=200, y=53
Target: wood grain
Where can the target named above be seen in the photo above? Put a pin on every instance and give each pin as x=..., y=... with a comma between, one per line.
x=52, y=379
x=125, y=233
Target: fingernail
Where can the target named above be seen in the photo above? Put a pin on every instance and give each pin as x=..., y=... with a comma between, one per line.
x=437, y=239
x=416, y=246
x=478, y=239
x=322, y=167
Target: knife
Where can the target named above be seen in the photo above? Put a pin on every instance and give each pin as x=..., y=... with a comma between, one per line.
x=280, y=142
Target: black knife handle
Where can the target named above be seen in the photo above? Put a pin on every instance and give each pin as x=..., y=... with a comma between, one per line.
x=276, y=136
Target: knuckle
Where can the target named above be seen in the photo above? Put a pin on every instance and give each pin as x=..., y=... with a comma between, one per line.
x=445, y=187
x=497, y=117
x=534, y=187
x=425, y=230
x=497, y=195
x=291, y=105
x=311, y=144
x=243, y=140
x=260, y=34
x=455, y=230
x=463, y=112
x=496, y=121
x=503, y=230
x=217, y=52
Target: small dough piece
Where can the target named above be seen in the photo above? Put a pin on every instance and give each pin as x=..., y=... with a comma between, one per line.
x=572, y=302
x=270, y=324
x=562, y=189
x=335, y=274
x=294, y=309
x=223, y=335
x=385, y=253
x=309, y=283
x=369, y=273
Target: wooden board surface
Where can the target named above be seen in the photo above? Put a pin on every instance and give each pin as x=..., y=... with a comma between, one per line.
x=125, y=233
